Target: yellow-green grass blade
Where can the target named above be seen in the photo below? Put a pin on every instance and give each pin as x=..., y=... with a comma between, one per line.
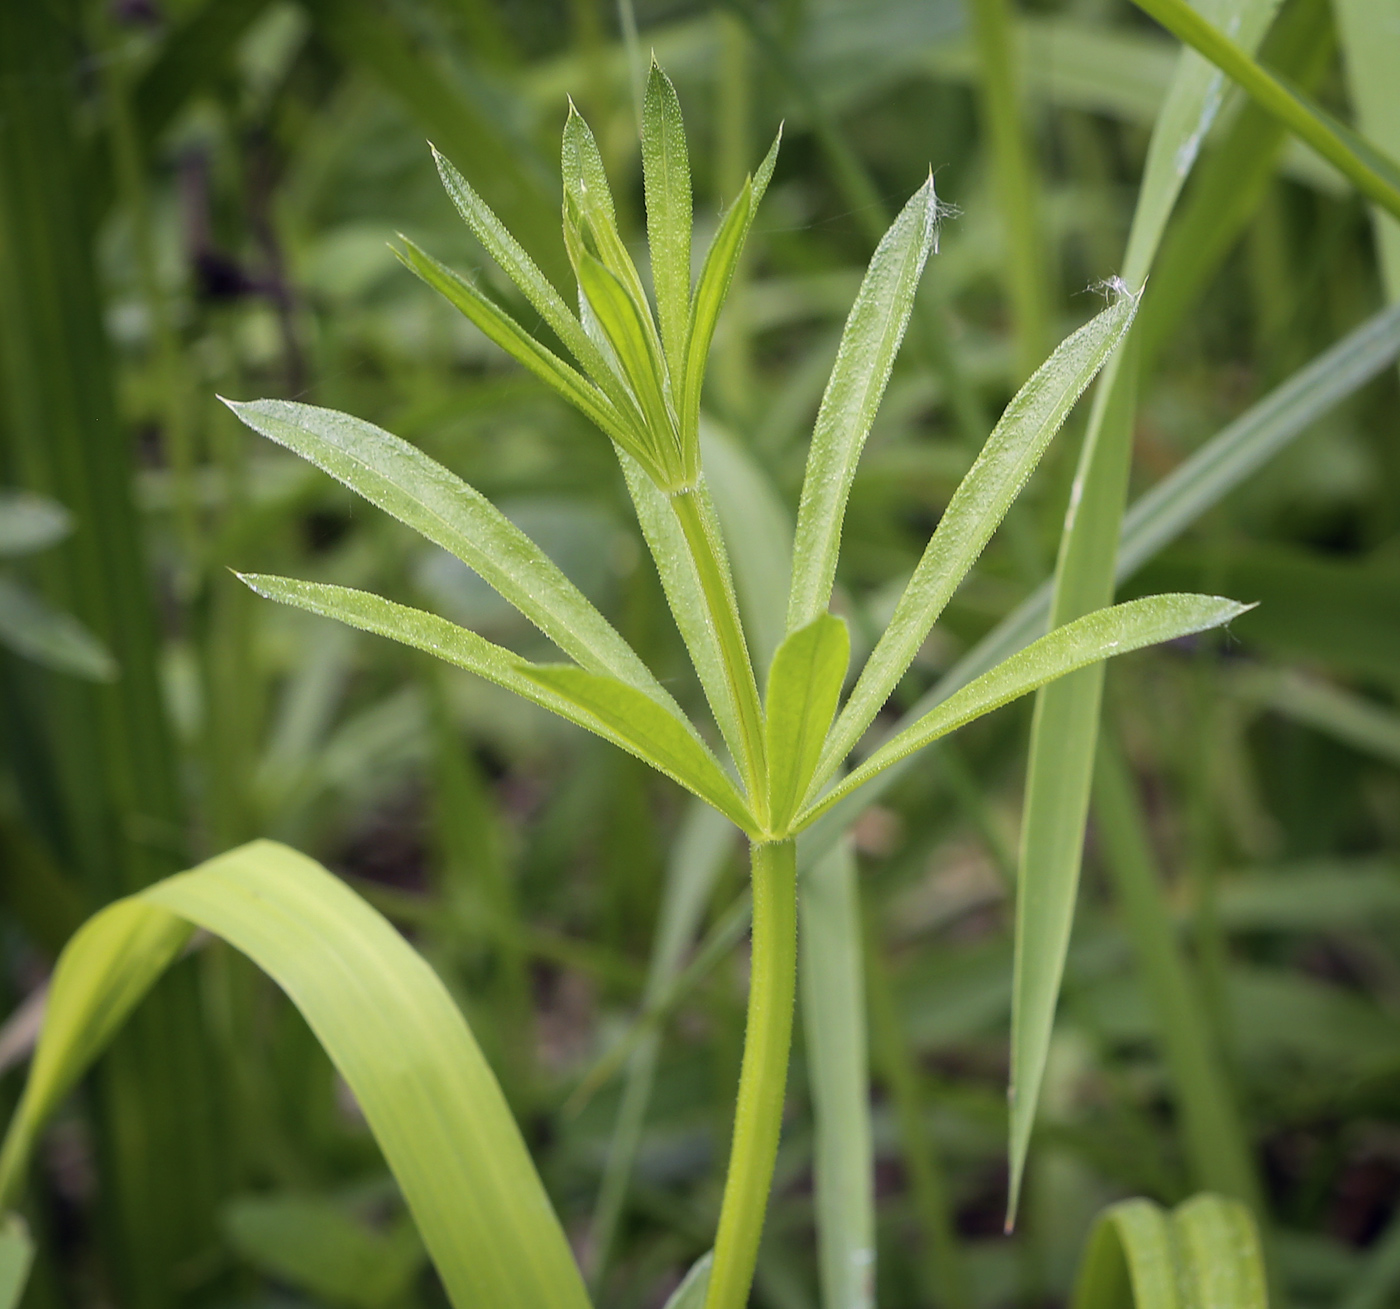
x=386, y=1022
x=1204, y=1253
x=1011, y=454
x=1370, y=170
x=613, y=412
x=804, y=686
x=418, y=491
x=1064, y=730
x=666, y=174
x=869, y=343
x=1370, y=40
x=831, y=976
x=1161, y=515
x=1101, y=635
x=612, y=709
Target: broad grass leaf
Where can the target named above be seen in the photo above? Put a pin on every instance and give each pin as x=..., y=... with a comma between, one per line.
x=613, y=709
x=874, y=330
x=1011, y=454
x=435, y=502
x=804, y=687
x=388, y=1025
x=666, y=175
x=1117, y=630
x=1205, y=1252
x=621, y=424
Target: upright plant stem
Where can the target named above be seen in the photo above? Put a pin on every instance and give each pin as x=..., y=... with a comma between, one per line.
x=758, y=1116
x=702, y=536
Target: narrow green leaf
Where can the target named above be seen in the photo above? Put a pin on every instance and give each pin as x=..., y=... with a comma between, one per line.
x=1373, y=172
x=690, y=1294
x=832, y=976
x=721, y=261
x=1117, y=630
x=804, y=687
x=614, y=710
x=627, y=325
x=16, y=1256
x=869, y=343
x=621, y=425
x=1012, y=451
x=522, y=270
x=1343, y=715
x=685, y=596
x=669, y=744
x=435, y=502
x=666, y=172
x=30, y=628
x=1064, y=730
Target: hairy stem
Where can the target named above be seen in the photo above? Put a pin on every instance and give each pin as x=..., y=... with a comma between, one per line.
x=758, y=1117
x=706, y=549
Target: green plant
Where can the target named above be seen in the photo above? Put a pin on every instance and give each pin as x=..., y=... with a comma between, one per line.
x=445, y=1130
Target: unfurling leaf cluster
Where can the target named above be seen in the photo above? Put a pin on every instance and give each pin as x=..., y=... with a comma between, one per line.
x=637, y=373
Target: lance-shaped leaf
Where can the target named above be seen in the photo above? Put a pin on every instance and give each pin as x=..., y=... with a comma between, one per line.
x=721, y=260
x=1097, y=636
x=804, y=686
x=1012, y=451
x=618, y=421
x=666, y=174
x=389, y=1027
x=869, y=343
x=1205, y=1252
x=601, y=704
x=436, y=503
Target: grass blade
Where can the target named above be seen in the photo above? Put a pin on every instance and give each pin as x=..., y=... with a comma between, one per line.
x=388, y=1025
x=831, y=973
x=16, y=1256
x=614, y=710
x=620, y=424
x=1065, y=728
x=1371, y=171
x=1342, y=715
x=980, y=503
x=804, y=687
x=1088, y=640
x=869, y=343
x=420, y=492
x=666, y=173
x=690, y=1294
x=59, y=641
x=1206, y=1252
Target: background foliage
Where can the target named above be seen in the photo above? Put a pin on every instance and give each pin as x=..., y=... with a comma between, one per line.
x=197, y=199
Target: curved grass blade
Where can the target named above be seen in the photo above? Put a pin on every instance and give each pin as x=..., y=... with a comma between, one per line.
x=666, y=174
x=389, y=1027
x=436, y=503
x=1012, y=451
x=1117, y=630
x=1370, y=170
x=721, y=261
x=621, y=424
x=804, y=687
x=614, y=710
x=1205, y=1252
x=869, y=343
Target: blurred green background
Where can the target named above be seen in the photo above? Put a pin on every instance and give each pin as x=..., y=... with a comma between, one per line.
x=196, y=199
